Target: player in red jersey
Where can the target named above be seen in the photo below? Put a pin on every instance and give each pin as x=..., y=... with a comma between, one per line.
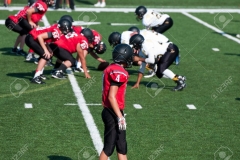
x=99, y=47
x=66, y=46
x=17, y=24
x=37, y=39
x=115, y=79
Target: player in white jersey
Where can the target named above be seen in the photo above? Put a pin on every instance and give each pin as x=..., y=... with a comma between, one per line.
x=163, y=53
x=154, y=20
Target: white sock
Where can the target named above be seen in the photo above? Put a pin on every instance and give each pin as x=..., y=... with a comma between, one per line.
x=78, y=64
x=168, y=73
x=164, y=76
x=42, y=71
x=38, y=73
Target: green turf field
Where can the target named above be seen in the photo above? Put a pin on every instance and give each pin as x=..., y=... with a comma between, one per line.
x=164, y=129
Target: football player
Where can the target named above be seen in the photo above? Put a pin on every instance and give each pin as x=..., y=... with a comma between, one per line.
x=66, y=46
x=154, y=20
x=115, y=79
x=37, y=40
x=163, y=53
x=99, y=47
x=18, y=24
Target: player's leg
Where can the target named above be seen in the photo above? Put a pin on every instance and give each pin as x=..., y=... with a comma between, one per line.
x=167, y=24
x=110, y=133
x=165, y=61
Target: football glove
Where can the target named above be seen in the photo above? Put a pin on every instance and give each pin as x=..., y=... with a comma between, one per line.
x=122, y=123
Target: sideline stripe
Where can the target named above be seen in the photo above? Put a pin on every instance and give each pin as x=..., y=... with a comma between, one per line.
x=212, y=27
x=191, y=106
x=90, y=104
x=173, y=10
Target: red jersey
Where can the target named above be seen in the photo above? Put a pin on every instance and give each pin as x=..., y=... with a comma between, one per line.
x=114, y=73
x=56, y=33
x=77, y=29
x=97, y=37
x=42, y=9
x=21, y=14
x=69, y=42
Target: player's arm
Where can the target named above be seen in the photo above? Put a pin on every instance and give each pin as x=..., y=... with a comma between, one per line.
x=81, y=54
x=30, y=11
x=95, y=56
x=41, y=38
x=112, y=98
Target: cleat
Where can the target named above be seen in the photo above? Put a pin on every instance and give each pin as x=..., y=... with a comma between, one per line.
x=14, y=50
x=21, y=52
x=58, y=74
x=151, y=73
x=43, y=77
x=180, y=83
x=97, y=4
x=79, y=70
x=37, y=80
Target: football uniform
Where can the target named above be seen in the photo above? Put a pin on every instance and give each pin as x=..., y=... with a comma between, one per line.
x=125, y=36
x=77, y=29
x=41, y=7
x=157, y=21
x=97, y=37
x=114, y=73
x=18, y=22
x=150, y=34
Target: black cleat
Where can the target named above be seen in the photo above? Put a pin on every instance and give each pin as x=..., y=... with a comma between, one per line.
x=180, y=83
x=58, y=74
x=37, y=80
x=43, y=77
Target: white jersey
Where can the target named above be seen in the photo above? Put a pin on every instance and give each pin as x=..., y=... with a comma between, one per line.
x=153, y=48
x=125, y=37
x=150, y=34
x=153, y=19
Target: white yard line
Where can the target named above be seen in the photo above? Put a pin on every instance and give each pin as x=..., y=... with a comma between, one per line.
x=191, y=106
x=87, y=116
x=28, y=105
x=211, y=27
x=137, y=106
x=45, y=21
x=176, y=10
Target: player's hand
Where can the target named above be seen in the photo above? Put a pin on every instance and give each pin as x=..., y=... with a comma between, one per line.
x=32, y=24
x=47, y=54
x=122, y=123
x=87, y=75
x=101, y=60
x=136, y=86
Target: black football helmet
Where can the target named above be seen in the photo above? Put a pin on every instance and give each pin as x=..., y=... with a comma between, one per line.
x=134, y=29
x=88, y=34
x=123, y=53
x=68, y=17
x=49, y=2
x=140, y=11
x=136, y=41
x=30, y=2
x=65, y=26
x=114, y=38
x=100, y=48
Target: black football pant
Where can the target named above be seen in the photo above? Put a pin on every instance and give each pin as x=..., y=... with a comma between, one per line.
x=167, y=59
x=35, y=46
x=113, y=137
x=15, y=27
x=62, y=54
x=164, y=27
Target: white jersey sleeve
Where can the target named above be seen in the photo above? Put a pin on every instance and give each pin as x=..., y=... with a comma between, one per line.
x=125, y=37
x=153, y=19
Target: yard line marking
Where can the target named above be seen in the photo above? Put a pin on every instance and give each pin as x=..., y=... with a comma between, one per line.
x=215, y=49
x=191, y=106
x=137, y=106
x=85, y=23
x=70, y=104
x=45, y=21
x=87, y=116
x=28, y=105
x=211, y=27
x=173, y=10
x=122, y=24
x=2, y=21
